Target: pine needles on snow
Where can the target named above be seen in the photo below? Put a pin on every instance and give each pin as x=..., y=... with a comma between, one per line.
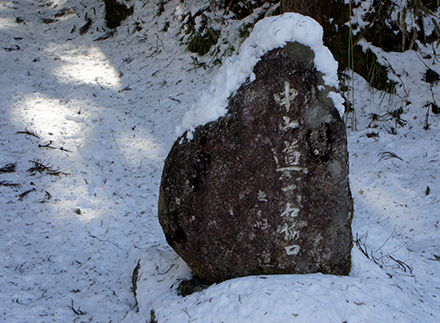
x=29, y=133
x=44, y=168
x=8, y=168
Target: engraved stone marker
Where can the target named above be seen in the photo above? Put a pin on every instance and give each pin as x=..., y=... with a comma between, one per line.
x=264, y=189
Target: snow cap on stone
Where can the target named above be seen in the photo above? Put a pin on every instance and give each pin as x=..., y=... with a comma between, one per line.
x=269, y=33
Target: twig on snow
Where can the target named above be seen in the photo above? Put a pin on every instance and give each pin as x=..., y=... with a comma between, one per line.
x=24, y=194
x=48, y=145
x=166, y=272
x=76, y=311
x=435, y=258
x=100, y=240
x=401, y=264
x=114, y=139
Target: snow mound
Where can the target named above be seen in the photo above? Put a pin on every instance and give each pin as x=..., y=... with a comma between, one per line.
x=269, y=33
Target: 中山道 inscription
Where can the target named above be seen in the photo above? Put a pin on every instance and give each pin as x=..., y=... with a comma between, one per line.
x=289, y=228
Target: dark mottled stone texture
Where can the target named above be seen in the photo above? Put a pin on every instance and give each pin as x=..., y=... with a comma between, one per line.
x=264, y=189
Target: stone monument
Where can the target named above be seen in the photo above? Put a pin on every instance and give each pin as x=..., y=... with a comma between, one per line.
x=263, y=189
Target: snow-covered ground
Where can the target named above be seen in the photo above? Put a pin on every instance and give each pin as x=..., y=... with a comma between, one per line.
x=97, y=118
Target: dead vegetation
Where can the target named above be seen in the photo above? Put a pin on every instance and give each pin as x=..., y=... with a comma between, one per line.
x=64, y=12
x=77, y=311
x=8, y=168
x=49, y=20
x=24, y=194
x=384, y=155
x=85, y=28
x=44, y=168
x=384, y=260
x=134, y=280
x=28, y=132
x=9, y=184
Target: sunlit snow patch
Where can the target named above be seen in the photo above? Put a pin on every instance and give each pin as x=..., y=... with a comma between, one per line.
x=87, y=66
x=269, y=33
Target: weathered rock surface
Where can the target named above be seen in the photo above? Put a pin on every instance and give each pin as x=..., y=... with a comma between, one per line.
x=264, y=189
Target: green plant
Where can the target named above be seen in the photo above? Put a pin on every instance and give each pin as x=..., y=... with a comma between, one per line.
x=201, y=43
x=217, y=57
x=244, y=30
x=197, y=64
x=86, y=16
